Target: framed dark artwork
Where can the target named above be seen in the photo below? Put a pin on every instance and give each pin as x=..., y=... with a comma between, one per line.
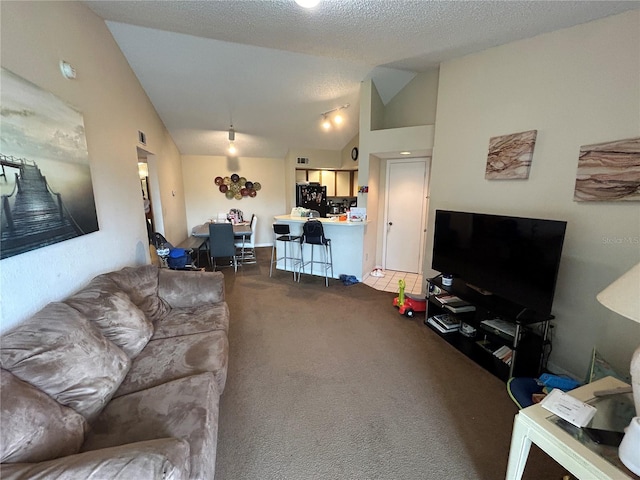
x=45, y=182
x=609, y=172
x=510, y=156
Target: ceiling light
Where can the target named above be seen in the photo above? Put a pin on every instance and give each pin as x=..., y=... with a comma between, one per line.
x=405, y=153
x=307, y=3
x=232, y=137
x=337, y=120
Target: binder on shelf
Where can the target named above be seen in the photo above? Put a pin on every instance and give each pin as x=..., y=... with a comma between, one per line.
x=501, y=351
x=504, y=353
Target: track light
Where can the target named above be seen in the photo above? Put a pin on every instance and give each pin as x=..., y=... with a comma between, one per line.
x=333, y=117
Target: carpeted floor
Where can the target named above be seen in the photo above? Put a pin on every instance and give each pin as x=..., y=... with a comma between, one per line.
x=332, y=383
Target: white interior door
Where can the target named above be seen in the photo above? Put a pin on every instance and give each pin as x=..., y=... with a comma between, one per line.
x=405, y=214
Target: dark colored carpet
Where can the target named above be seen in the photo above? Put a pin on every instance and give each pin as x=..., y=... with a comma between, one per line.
x=332, y=383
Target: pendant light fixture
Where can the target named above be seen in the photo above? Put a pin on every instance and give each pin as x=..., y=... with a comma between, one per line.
x=232, y=137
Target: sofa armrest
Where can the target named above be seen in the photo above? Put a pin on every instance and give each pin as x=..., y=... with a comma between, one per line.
x=181, y=288
x=166, y=458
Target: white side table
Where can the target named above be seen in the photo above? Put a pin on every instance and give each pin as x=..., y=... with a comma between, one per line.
x=581, y=457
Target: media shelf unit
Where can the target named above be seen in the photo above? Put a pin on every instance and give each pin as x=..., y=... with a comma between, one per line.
x=529, y=339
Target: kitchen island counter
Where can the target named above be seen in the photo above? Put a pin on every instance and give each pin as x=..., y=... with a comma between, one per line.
x=347, y=243
x=325, y=221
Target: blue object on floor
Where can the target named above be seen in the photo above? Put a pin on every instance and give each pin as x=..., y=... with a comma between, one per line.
x=554, y=381
x=348, y=279
x=178, y=258
x=521, y=390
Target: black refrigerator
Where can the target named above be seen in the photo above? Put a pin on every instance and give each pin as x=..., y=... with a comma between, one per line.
x=312, y=196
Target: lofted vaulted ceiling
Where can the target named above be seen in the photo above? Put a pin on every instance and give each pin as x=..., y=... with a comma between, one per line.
x=271, y=68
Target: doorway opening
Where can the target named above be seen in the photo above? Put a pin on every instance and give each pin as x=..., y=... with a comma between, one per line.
x=150, y=190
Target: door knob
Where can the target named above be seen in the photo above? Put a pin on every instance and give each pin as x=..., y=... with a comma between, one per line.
x=390, y=223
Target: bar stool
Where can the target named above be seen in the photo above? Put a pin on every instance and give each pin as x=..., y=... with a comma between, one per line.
x=282, y=233
x=313, y=234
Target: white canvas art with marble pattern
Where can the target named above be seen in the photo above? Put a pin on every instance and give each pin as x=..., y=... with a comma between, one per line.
x=510, y=156
x=609, y=171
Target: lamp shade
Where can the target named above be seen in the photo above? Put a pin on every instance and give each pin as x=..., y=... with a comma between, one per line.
x=623, y=295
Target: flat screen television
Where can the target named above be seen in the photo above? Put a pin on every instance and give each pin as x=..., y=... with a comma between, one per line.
x=514, y=258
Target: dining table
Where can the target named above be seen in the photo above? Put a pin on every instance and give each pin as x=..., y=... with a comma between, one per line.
x=200, y=233
x=240, y=230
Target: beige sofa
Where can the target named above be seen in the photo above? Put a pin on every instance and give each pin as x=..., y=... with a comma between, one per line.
x=120, y=380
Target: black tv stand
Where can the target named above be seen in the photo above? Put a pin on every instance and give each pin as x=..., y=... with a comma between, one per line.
x=504, y=338
x=481, y=291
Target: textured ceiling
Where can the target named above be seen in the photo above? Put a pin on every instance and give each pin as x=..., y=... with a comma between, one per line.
x=271, y=67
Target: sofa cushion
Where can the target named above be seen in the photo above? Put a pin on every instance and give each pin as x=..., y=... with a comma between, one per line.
x=112, y=311
x=166, y=458
x=172, y=358
x=190, y=289
x=34, y=426
x=61, y=353
x=187, y=321
x=186, y=408
x=141, y=284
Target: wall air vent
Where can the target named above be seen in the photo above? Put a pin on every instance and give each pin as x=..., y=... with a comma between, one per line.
x=142, y=137
x=303, y=160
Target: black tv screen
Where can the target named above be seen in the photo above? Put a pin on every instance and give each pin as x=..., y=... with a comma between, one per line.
x=514, y=258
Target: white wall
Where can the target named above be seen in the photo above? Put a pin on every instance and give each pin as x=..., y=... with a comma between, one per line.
x=415, y=104
x=374, y=147
x=576, y=86
x=204, y=200
x=35, y=37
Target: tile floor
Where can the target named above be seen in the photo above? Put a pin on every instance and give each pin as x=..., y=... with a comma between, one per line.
x=389, y=283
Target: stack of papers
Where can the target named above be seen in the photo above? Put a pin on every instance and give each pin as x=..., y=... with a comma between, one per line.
x=569, y=408
x=444, y=323
x=454, y=304
x=501, y=326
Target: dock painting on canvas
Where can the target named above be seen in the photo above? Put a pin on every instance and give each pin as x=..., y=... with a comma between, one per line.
x=45, y=181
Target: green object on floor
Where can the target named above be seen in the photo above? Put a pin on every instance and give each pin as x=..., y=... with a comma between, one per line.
x=401, y=285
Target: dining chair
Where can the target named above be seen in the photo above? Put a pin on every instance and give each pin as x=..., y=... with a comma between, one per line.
x=247, y=244
x=222, y=244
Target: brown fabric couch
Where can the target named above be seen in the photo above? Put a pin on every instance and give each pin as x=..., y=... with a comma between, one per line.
x=119, y=381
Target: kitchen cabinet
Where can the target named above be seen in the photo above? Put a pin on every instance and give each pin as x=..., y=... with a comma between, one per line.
x=301, y=176
x=339, y=183
x=328, y=179
x=343, y=183
x=314, y=176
